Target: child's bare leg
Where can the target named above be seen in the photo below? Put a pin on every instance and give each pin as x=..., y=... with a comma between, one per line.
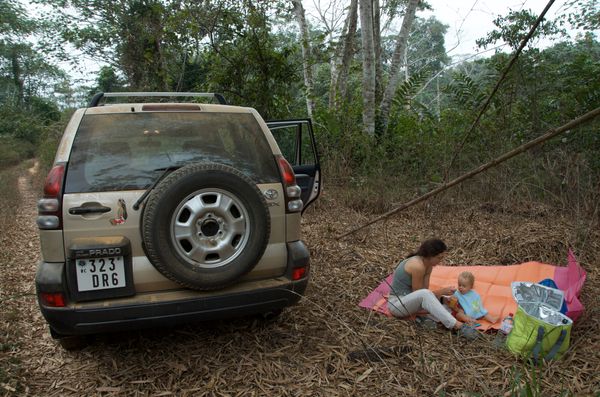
x=461, y=316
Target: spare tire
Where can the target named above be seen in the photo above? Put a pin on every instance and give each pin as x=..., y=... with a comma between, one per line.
x=205, y=225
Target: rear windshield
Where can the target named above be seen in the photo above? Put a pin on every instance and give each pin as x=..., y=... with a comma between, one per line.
x=128, y=151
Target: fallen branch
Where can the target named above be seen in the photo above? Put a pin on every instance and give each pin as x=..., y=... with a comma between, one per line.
x=550, y=134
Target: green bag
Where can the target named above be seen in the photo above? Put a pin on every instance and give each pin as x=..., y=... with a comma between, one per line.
x=536, y=338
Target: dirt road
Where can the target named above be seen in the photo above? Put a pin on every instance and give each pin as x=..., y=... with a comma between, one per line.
x=314, y=348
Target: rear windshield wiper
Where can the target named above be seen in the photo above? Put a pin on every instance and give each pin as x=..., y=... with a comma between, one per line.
x=165, y=172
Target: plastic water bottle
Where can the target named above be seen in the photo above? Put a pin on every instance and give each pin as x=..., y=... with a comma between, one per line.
x=505, y=328
x=507, y=324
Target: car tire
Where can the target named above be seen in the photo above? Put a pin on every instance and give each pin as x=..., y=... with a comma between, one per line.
x=205, y=225
x=270, y=316
x=73, y=343
x=70, y=342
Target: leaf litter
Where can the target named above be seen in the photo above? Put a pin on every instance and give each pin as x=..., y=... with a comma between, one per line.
x=324, y=346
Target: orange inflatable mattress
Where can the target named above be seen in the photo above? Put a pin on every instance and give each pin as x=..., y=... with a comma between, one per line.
x=491, y=282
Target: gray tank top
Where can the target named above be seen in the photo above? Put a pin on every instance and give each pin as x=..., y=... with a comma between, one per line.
x=402, y=281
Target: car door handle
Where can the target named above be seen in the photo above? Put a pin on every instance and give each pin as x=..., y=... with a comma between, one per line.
x=89, y=210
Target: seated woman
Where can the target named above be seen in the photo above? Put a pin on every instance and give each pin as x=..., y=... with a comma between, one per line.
x=409, y=290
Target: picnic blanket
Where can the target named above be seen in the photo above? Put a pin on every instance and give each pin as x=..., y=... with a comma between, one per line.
x=493, y=285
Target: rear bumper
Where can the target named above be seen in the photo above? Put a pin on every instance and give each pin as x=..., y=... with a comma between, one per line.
x=82, y=320
x=169, y=308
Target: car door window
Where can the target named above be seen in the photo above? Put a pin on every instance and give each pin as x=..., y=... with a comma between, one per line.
x=296, y=142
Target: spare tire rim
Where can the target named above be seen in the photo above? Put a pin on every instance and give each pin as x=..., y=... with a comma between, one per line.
x=210, y=228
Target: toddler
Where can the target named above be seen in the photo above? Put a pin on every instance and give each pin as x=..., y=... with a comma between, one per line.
x=466, y=303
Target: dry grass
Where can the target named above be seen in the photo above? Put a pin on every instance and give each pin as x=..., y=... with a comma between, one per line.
x=317, y=348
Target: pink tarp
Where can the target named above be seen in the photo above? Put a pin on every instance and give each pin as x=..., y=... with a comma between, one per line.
x=493, y=285
x=570, y=279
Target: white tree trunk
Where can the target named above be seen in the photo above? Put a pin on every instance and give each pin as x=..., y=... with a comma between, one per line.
x=344, y=54
x=368, y=54
x=398, y=59
x=306, y=57
x=378, y=49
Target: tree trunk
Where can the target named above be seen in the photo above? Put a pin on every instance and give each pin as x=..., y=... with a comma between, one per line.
x=397, y=60
x=339, y=75
x=306, y=58
x=16, y=75
x=368, y=54
x=377, y=45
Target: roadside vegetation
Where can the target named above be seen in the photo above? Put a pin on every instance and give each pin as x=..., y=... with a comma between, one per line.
x=255, y=59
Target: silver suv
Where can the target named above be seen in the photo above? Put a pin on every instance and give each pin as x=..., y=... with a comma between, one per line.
x=164, y=213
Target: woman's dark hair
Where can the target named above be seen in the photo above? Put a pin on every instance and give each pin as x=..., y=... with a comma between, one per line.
x=430, y=248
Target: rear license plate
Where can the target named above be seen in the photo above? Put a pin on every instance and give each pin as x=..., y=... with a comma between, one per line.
x=100, y=273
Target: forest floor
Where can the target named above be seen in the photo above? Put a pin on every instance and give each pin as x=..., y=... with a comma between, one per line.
x=313, y=348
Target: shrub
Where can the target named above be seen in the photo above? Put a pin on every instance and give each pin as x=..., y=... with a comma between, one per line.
x=13, y=151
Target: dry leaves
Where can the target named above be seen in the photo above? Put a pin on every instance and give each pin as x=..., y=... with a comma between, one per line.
x=307, y=351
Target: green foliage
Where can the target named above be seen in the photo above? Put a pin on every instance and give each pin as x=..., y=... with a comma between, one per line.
x=584, y=14
x=343, y=146
x=27, y=122
x=409, y=89
x=465, y=91
x=130, y=35
x=250, y=52
x=46, y=150
x=14, y=21
x=108, y=80
x=13, y=151
x=407, y=95
x=252, y=66
x=44, y=110
x=16, y=124
x=32, y=134
x=182, y=45
x=426, y=46
x=25, y=74
x=513, y=28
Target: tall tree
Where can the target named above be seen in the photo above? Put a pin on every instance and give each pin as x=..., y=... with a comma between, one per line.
x=14, y=24
x=397, y=60
x=248, y=62
x=368, y=61
x=307, y=61
x=24, y=71
x=129, y=35
x=378, y=49
x=426, y=46
x=344, y=53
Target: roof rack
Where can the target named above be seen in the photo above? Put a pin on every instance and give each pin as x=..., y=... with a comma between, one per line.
x=96, y=99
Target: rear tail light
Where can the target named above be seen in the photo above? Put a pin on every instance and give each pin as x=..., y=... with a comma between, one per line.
x=291, y=190
x=298, y=273
x=54, y=299
x=49, y=209
x=53, y=185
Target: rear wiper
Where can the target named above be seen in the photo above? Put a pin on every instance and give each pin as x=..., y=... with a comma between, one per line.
x=164, y=173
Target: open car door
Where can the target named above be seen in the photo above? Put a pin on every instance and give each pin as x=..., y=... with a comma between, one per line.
x=297, y=143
